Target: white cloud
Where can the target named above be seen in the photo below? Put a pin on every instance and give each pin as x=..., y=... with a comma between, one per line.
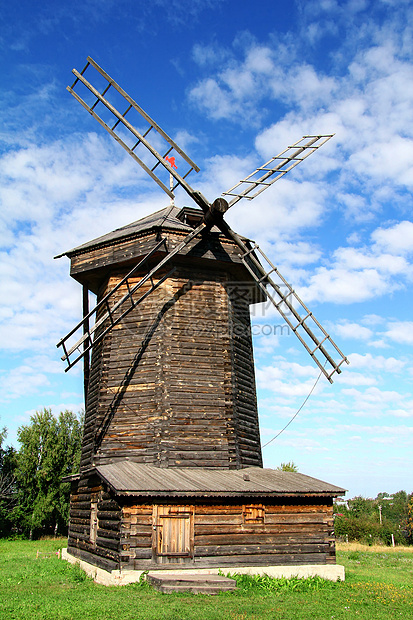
x=356, y=259
x=212, y=99
x=397, y=239
x=386, y=160
x=30, y=376
x=220, y=173
x=401, y=332
x=205, y=55
x=401, y=431
x=275, y=214
x=402, y=413
x=357, y=83
x=365, y=166
x=22, y=381
x=379, y=344
x=353, y=330
x=369, y=106
x=353, y=378
x=373, y=401
x=287, y=378
x=373, y=320
x=51, y=196
x=342, y=286
x=302, y=85
x=388, y=440
x=373, y=363
x=356, y=275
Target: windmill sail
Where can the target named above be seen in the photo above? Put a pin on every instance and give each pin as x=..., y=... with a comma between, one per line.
x=267, y=174
x=150, y=146
x=160, y=157
x=111, y=311
x=312, y=335
x=320, y=346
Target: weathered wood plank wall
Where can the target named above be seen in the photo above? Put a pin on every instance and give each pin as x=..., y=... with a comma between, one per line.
x=173, y=384
x=129, y=251
x=104, y=551
x=290, y=534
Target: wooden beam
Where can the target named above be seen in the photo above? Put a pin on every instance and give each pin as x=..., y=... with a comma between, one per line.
x=86, y=342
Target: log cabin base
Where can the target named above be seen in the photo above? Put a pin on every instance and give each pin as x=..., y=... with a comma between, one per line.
x=124, y=577
x=127, y=519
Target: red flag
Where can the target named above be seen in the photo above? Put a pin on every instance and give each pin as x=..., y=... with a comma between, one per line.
x=171, y=161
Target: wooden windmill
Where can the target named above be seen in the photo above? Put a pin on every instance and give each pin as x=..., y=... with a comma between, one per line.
x=171, y=445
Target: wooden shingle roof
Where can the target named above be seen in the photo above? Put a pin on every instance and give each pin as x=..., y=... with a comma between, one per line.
x=164, y=219
x=129, y=478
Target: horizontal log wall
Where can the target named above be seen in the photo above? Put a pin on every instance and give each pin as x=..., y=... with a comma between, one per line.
x=136, y=536
x=244, y=400
x=104, y=552
x=93, y=413
x=173, y=383
x=214, y=247
x=291, y=534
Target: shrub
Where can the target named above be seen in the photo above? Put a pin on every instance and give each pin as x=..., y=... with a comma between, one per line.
x=366, y=529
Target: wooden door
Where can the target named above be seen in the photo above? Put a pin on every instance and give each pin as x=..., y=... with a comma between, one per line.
x=173, y=534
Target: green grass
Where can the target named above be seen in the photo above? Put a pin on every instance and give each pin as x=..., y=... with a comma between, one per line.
x=379, y=585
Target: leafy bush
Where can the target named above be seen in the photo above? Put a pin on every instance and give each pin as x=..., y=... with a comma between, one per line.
x=367, y=529
x=375, y=520
x=260, y=583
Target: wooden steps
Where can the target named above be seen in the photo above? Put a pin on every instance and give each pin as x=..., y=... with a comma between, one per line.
x=195, y=583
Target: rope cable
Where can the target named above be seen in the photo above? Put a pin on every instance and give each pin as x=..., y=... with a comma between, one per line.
x=296, y=413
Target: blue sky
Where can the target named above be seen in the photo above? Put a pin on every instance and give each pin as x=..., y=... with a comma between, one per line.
x=233, y=83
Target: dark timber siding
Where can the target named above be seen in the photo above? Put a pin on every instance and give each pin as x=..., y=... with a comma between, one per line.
x=291, y=534
x=129, y=251
x=244, y=401
x=104, y=551
x=173, y=383
x=97, y=381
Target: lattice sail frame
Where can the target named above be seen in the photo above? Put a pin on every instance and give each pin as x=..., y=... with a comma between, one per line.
x=298, y=317
x=114, y=311
x=274, y=169
x=129, y=136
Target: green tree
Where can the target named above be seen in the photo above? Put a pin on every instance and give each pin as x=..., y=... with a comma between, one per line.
x=362, y=506
x=290, y=466
x=374, y=520
x=394, y=507
x=409, y=523
x=50, y=450
x=8, y=464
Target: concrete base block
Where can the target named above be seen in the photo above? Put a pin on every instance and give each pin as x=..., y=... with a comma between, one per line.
x=104, y=577
x=333, y=572
x=191, y=582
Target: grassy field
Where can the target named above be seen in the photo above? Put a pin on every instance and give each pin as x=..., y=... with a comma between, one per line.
x=379, y=585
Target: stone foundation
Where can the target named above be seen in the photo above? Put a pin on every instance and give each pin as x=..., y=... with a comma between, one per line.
x=333, y=572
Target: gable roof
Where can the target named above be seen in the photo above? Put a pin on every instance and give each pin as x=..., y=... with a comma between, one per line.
x=163, y=219
x=129, y=478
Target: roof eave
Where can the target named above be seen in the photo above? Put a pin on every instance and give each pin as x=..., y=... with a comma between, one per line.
x=227, y=494
x=156, y=228
x=105, y=244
